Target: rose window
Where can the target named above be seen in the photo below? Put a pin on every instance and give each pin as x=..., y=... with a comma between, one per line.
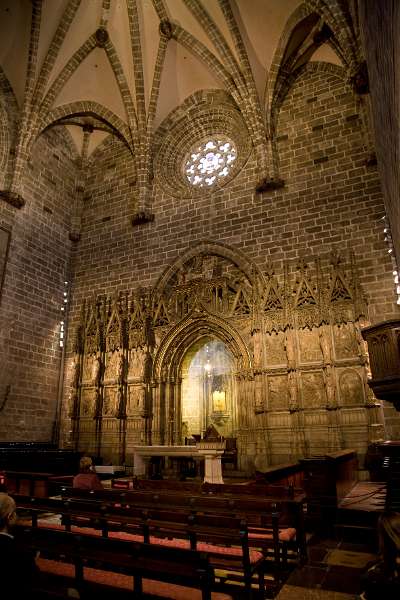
x=210, y=162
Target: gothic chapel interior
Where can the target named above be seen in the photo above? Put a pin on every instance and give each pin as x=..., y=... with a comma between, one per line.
x=198, y=218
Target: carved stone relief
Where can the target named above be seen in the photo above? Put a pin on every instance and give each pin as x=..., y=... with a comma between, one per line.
x=310, y=349
x=113, y=365
x=110, y=402
x=277, y=392
x=351, y=387
x=88, y=403
x=345, y=341
x=135, y=403
x=312, y=384
x=90, y=369
x=137, y=359
x=275, y=348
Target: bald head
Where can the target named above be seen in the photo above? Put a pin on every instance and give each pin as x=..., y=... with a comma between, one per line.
x=7, y=511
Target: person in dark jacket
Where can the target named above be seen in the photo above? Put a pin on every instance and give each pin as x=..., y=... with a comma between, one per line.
x=382, y=579
x=87, y=479
x=18, y=570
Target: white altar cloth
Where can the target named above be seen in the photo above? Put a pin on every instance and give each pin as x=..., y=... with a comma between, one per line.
x=212, y=457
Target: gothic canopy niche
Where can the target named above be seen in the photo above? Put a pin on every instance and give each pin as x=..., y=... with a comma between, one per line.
x=210, y=290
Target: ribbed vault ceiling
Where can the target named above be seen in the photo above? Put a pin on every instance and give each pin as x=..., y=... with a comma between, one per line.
x=135, y=69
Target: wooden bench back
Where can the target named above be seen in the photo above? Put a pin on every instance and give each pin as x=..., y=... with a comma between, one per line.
x=165, y=563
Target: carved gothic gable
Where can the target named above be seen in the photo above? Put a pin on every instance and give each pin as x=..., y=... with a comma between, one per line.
x=136, y=320
x=241, y=303
x=272, y=299
x=345, y=301
x=114, y=333
x=339, y=291
x=92, y=336
x=161, y=316
x=273, y=305
x=304, y=295
x=306, y=298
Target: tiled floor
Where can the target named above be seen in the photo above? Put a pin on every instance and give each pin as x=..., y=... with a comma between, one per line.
x=333, y=572
x=293, y=592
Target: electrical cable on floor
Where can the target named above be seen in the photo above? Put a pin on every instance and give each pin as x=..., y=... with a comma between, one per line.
x=355, y=499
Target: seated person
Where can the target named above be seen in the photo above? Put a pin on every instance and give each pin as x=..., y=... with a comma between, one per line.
x=18, y=569
x=87, y=479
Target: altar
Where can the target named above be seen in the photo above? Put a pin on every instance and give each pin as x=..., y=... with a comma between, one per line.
x=210, y=451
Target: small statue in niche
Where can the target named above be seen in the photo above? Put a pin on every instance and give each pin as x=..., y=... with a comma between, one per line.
x=330, y=388
x=121, y=383
x=292, y=392
x=257, y=349
x=75, y=373
x=72, y=404
x=362, y=351
x=121, y=369
x=290, y=349
x=258, y=399
x=120, y=412
x=138, y=357
x=75, y=380
x=323, y=333
x=96, y=371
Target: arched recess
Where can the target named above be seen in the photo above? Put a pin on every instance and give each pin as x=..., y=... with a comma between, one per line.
x=9, y=113
x=167, y=372
x=203, y=248
x=107, y=120
x=310, y=26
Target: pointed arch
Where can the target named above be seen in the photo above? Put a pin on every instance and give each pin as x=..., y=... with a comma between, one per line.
x=91, y=108
x=237, y=257
x=194, y=327
x=314, y=21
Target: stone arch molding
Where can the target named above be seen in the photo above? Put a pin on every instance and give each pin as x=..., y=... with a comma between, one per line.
x=197, y=325
x=203, y=248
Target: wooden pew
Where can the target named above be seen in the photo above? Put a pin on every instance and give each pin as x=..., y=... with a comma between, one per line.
x=137, y=560
x=290, y=509
x=254, y=488
x=223, y=538
x=275, y=528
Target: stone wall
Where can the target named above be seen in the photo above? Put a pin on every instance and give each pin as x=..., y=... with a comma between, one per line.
x=331, y=202
x=32, y=294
